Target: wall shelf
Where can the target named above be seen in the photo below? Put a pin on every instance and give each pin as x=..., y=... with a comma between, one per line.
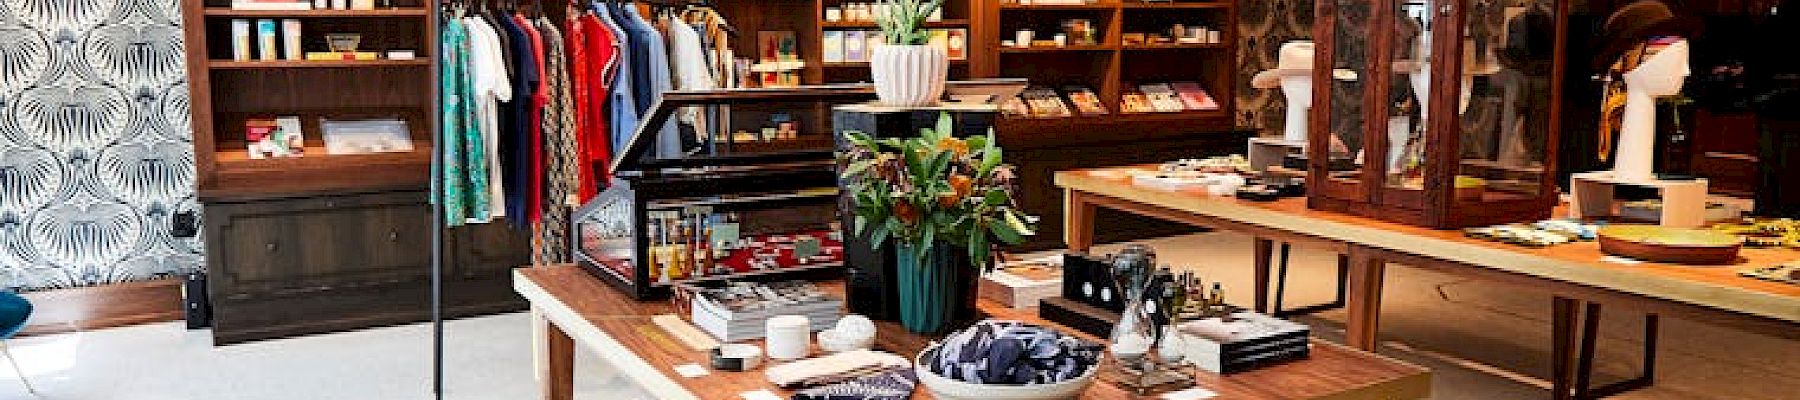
x=230, y=64
x=948, y=23
x=377, y=13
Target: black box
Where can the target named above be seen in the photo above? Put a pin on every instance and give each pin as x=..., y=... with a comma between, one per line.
x=195, y=303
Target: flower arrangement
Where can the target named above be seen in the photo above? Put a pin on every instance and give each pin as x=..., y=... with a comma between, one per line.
x=903, y=21
x=934, y=189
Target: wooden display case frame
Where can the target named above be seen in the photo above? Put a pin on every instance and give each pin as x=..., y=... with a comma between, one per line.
x=1435, y=204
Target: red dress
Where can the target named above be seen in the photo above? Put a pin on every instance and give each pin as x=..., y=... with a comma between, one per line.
x=534, y=198
x=577, y=45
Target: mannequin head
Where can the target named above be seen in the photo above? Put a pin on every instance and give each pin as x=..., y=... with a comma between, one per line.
x=1298, y=89
x=1662, y=73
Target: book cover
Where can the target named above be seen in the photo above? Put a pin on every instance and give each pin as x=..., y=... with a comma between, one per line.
x=940, y=39
x=854, y=44
x=834, y=46
x=872, y=39
x=958, y=44
x=265, y=40
x=240, y=40
x=274, y=138
x=1194, y=97
x=1161, y=97
x=1086, y=102
x=290, y=39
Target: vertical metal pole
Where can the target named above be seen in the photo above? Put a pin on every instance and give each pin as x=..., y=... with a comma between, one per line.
x=437, y=215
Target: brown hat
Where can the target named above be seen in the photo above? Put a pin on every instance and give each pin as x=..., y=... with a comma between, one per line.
x=1632, y=24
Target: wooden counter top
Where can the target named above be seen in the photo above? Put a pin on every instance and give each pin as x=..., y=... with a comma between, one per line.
x=610, y=323
x=1717, y=287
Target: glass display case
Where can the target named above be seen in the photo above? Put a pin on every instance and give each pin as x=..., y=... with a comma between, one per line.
x=1437, y=113
x=723, y=184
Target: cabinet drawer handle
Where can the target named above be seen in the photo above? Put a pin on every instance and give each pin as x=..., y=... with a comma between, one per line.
x=394, y=236
x=271, y=247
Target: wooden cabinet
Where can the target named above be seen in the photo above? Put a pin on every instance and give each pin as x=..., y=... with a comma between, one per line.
x=287, y=267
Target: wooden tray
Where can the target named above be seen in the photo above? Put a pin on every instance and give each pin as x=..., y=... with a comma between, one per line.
x=1670, y=245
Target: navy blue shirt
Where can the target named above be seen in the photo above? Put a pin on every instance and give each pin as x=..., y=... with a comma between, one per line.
x=515, y=145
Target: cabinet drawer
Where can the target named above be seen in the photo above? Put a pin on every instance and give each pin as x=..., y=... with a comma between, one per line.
x=294, y=246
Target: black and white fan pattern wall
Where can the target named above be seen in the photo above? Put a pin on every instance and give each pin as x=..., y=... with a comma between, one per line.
x=96, y=153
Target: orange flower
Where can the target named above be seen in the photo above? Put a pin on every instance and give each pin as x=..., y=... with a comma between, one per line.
x=906, y=212
x=953, y=144
x=962, y=185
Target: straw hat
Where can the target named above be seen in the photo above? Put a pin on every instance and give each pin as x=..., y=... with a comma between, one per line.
x=1294, y=59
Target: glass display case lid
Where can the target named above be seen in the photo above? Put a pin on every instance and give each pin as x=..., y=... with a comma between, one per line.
x=641, y=152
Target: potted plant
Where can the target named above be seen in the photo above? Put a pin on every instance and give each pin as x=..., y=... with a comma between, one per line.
x=941, y=200
x=907, y=72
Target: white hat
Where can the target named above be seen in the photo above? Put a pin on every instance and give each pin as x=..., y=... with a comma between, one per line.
x=1295, y=58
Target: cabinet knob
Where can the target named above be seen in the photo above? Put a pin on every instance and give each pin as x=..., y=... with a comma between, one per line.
x=393, y=236
x=271, y=247
x=1445, y=9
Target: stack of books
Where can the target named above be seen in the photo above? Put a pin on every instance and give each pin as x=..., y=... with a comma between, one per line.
x=1247, y=341
x=737, y=311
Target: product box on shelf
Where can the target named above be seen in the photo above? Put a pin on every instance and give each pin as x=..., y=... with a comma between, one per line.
x=1021, y=284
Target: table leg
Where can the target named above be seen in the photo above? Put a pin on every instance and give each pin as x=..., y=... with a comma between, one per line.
x=1565, y=322
x=1078, y=221
x=1265, y=248
x=556, y=363
x=1364, y=299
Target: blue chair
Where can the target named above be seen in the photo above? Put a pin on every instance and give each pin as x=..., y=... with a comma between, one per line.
x=14, y=310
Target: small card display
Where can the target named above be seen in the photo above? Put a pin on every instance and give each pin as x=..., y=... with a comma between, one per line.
x=274, y=138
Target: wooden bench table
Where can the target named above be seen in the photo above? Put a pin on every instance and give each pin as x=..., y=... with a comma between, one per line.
x=575, y=307
x=1577, y=274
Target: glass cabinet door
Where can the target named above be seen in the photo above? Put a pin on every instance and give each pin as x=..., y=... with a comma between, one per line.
x=1409, y=91
x=1507, y=61
x=1350, y=64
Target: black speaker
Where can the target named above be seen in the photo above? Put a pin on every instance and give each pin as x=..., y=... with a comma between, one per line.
x=194, y=301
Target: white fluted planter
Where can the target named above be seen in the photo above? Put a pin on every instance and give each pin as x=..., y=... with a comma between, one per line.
x=909, y=75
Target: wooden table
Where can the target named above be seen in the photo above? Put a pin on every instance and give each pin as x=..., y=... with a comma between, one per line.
x=1575, y=273
x=576, y=307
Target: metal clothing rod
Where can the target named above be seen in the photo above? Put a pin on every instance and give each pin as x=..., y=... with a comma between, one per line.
x=437, y=228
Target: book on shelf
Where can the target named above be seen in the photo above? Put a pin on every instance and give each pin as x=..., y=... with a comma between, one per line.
x=280, y=137
x=240, y=40
x=855, y=43
x=833, y=44
x=367, y=136
x=1046, y=103
x=290, y=39
x=266, y=40
x=940, y=39
x=1162, y=98
x=1194, y=97
x=272, y=5
x=958, y=40
x=1135, y=102
x=1086, y=102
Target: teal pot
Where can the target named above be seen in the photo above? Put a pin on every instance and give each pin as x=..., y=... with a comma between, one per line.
x=934, y=289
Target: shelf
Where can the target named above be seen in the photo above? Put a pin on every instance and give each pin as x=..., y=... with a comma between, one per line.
x=317, y=158
x=1175, y=46
x=948, y=23
x=865, y=64
x=377, y=13
x=1096, y=7
x=1177, y=6
x=1071, y=48
x=229, y=64
x=782, y=270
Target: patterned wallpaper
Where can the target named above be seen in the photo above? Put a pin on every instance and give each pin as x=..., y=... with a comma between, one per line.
x=1263, y=25
x=96, y=151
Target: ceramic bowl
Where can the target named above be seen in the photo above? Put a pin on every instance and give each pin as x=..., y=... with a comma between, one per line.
x=950, y=389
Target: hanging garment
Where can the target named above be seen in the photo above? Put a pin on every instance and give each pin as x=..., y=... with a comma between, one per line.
x=621, y=99
x=651, y=77
x=597, y=144
x=688, y=61
x=576, y=42
x=558, y=148
x=534, y=138
x=492, y=86
x=452, y=192
x=515, y=144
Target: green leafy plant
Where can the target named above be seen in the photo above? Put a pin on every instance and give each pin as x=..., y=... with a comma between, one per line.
x=934, y=189
x=903, y=21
